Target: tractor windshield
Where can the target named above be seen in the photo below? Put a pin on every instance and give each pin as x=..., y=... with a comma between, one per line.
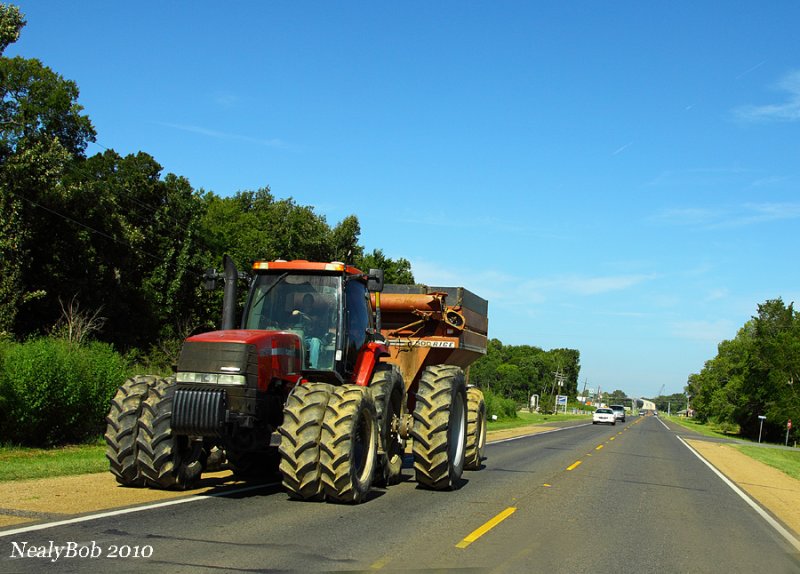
x=306, y=304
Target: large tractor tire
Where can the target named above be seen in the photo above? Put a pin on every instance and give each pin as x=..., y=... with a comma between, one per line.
x=389, y=392
x=165, y=460
x=440, y=428
x=476, y=429
x=349, y=444
x=300, y=438
x=122, y=428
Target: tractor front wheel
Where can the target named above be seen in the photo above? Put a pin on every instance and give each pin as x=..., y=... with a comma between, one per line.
x=300, y=438
x=166, y=460
x=349, y=444
x=440, y=421
x=122, y=428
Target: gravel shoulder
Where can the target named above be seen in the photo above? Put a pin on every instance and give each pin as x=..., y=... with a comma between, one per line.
x=42, y=500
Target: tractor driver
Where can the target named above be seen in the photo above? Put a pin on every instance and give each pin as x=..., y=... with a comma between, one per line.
x=313, y=328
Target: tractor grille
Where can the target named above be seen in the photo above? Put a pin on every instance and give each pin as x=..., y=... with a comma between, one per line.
x=199, y=412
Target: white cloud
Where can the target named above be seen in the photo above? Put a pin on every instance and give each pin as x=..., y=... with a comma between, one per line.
x=788, y=110
x=225, y=135
x=717, y=294
x=688, y=216
x=708, y=331
x=506, y=288
x=741, y=216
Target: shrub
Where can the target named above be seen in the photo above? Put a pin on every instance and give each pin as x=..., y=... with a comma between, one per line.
x=497, y=405
x=56, y=392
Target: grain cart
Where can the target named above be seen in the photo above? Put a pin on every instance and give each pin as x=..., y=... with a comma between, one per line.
x=307, y=385
x=432, y=344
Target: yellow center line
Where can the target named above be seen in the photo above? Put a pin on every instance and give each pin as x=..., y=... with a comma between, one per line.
x=598, y=447
x=379, y=564
x=477, y=533
x=612, y=438
x=574, y=465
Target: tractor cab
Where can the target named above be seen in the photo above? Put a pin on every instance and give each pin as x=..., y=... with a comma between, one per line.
x=326, y=305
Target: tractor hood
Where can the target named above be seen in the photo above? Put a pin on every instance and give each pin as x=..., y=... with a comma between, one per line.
x=240, y=358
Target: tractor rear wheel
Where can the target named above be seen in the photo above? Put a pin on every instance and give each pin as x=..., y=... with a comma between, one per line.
x=349, y=444
x=300, y=438
x=166, y=460
x=122, y=428
x=476, y=429
x=440, y=421
x=388, y=390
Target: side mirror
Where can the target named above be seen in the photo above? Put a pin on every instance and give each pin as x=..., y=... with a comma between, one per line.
x=375, y=281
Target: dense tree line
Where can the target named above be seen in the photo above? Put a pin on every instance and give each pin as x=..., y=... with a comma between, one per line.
x=755, y=374
x=111, y=237
x=519, y=371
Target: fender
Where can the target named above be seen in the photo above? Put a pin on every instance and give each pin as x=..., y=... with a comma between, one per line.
x=367, y=359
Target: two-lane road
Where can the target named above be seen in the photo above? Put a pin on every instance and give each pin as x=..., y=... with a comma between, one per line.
x=624, y=498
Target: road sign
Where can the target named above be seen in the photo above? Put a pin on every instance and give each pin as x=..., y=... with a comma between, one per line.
x=789, y=424
x=561, y=400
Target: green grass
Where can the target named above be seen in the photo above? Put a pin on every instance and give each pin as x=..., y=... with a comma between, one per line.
x=705, y=429
x=787, y=461
x=525, y=419
x=19, y=463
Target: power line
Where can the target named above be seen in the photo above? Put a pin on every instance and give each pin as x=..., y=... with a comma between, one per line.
x=96, y=231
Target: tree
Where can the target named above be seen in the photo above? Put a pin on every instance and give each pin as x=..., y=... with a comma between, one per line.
x=516, y=372
x=754, y=374
x=42, y=129
x=11, y=23
x=395, y=271
x=344, y=241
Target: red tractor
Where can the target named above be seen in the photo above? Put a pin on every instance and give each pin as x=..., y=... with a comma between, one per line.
x=309, y=385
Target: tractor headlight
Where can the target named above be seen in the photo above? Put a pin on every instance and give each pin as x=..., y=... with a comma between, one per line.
x=211, y=378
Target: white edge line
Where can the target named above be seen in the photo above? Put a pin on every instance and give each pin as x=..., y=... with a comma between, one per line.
x=191, y=498
x=771, y=521
x=536, y=434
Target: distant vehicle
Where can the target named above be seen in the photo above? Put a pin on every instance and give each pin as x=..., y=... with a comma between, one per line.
x=619, y=412
x=604, y=416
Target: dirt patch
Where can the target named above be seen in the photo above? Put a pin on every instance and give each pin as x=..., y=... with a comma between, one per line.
x=62, y=497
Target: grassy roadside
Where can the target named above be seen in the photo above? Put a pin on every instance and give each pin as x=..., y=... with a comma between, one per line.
x=526, y=418
x=704, y=429
x=787, y=461
x=19, y=463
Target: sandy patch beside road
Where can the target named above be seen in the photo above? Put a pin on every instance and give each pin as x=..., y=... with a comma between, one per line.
x=58, y=498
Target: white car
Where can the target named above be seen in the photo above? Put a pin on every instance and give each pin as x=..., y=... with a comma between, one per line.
x=604, y=416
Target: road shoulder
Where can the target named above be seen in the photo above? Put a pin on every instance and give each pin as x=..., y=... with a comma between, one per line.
x=771, y=488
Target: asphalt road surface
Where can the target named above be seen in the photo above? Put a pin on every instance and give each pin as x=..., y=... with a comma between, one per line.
x=624, y=498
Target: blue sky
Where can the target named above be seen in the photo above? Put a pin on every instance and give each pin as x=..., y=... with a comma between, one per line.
x=615, y=177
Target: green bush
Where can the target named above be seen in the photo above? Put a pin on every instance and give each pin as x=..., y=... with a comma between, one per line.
x=500, y=406
x=56, y=392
